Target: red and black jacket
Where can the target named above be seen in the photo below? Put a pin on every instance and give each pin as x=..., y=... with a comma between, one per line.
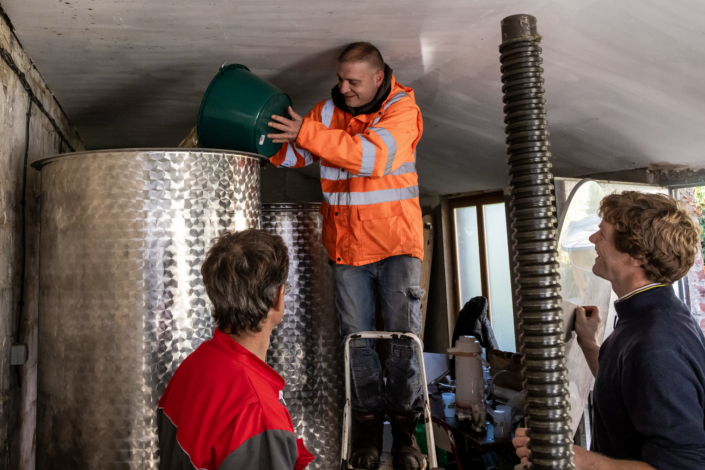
x=221, y=411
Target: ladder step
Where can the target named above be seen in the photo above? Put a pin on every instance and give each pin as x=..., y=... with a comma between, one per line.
x=386, y=461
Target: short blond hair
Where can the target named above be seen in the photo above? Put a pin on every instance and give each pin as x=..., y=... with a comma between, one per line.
x=653, y=228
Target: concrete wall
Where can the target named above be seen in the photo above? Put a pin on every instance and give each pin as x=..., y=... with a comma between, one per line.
x=27, y=133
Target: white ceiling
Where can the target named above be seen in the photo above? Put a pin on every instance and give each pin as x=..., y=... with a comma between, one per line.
x=623, y=78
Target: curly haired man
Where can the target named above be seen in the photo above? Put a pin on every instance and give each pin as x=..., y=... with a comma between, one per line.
x=650, y=372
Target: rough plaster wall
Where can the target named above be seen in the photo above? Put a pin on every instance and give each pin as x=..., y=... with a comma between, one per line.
x=13, y=109
x=18, y=403
x=43, y=141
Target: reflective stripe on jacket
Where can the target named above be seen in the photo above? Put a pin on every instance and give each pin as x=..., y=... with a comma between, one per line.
x=368, y=175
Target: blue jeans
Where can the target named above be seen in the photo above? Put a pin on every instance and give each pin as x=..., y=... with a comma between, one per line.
x=396, y=280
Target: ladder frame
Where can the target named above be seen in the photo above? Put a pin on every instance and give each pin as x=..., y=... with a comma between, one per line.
x=347, y=412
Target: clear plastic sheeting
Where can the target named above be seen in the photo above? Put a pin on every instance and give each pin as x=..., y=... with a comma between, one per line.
x=576, y=253
x=576, y=256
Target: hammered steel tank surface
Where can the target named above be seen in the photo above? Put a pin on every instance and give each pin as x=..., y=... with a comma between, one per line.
x=305, y=347
x=122, y=303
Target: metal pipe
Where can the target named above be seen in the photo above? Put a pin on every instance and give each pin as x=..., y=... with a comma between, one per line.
x=533, y=214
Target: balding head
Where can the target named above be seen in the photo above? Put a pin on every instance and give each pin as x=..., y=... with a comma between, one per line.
x=363, y=52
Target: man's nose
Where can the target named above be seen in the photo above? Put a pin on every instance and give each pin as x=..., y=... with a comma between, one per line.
x=344, y=87
x=591, y=238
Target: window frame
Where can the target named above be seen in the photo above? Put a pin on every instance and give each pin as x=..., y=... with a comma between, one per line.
x=478, y=201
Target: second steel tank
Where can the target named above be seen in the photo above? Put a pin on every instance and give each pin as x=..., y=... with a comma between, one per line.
x=305, y=346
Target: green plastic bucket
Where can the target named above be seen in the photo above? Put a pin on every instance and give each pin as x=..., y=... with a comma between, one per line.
x=236, y=109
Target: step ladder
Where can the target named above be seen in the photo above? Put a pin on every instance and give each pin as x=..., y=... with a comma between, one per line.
x=386, y=462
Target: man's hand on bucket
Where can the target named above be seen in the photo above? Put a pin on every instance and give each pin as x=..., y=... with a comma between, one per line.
x=290, y=127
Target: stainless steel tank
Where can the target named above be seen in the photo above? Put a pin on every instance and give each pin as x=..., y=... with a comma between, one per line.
x=123, y=236
x=305, y=346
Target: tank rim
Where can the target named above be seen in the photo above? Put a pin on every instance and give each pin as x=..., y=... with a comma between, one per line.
x=283, y=206
x=42, y=162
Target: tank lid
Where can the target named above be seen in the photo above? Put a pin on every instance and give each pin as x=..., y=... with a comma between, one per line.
x=42, y=162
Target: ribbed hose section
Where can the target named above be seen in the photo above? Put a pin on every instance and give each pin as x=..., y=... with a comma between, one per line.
x=534, y=233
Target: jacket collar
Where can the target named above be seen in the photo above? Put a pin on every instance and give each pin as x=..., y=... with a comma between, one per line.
x=227, y=345
x=373, y=106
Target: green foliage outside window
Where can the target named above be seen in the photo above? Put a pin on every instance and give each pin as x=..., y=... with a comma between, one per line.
x=700, y=207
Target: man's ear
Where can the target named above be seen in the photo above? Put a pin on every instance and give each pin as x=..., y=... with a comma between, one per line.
x=279, y=301
x=636, y=262
x=379, y=78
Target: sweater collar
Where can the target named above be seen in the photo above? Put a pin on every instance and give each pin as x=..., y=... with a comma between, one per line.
x=227, y=345
x=639, y=290
x=642, y=301
x=373, y=106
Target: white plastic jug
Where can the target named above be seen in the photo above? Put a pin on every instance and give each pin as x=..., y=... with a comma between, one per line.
x=470, y=386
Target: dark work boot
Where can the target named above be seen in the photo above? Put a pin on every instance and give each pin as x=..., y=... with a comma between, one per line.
x=367, y=431
x=405, y=450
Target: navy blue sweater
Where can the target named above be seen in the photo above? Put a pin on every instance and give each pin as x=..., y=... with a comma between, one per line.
x=650, y=387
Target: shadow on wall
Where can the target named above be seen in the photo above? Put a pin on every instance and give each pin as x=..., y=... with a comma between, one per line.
x=102, y=123
x=279, y=185
x=180, y=89
x=300, y=79
x=301, y=184
x=575, y=155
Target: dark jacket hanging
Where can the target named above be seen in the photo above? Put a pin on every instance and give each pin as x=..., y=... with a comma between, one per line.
x=473, y=321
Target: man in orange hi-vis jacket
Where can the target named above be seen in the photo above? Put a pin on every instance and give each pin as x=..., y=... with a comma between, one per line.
x=365, y=137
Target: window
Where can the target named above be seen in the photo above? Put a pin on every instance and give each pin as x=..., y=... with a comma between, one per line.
x=692, y=286
x=481, y=260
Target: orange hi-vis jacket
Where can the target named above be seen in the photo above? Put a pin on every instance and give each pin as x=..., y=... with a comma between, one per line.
x=368, y=173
